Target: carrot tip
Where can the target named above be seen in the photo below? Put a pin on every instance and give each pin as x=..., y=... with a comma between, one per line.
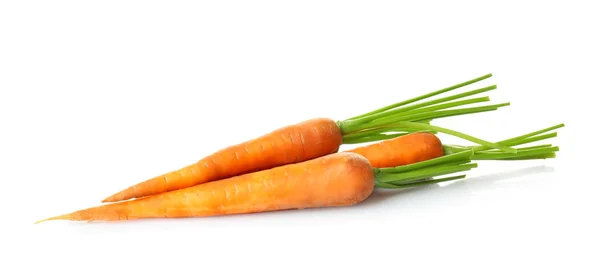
x=37, y=222
x=112, y=198
x=61, y=217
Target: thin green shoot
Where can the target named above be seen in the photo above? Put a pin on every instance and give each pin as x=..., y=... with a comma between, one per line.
x=422, y=126
x=444, y=114
x=451, y=104
x=532, y=139
x=424, y=170
x=521, y=138
x=399, y=110
x=536, y=147
x=520, y=154
x=534, y=157
x=424, y=96
x=458, y=157
x=458, y=148
x=424, y=173
x=418, y=183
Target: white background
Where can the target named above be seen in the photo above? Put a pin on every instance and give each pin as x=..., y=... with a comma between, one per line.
x=98, y=95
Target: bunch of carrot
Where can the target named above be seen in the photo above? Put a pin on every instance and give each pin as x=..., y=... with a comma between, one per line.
x=300, y=166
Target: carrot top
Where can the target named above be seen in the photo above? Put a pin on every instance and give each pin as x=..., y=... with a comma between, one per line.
x=459, y=158
x=409, y=116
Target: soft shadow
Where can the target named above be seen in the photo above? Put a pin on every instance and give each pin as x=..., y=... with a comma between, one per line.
x=486, y=181
x=500, y=176
x=380, y=195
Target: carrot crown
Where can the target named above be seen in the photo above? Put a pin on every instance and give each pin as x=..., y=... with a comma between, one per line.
x=408, y=116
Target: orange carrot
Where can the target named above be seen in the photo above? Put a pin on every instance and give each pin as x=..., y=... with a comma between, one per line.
x=403, y=150
x=312, y=139
x=294, y=143
x=340, y=179
x=335, y=180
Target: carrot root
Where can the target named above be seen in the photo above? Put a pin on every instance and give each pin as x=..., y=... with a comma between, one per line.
x=403, y=150
x=340, y=179
x=317, y=137
x=60, y=217
x=291, y=144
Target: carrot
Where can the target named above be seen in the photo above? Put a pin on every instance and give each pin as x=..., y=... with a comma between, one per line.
x=421, y=146
x=340, y=179
x=294, y=143
x=403, y=150
x=317, y=137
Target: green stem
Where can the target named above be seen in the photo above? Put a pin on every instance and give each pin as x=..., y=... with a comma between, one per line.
x=520, y=154
x=422, y=126
x=450, y=149
x=451, y=104
x=396, y=111
x=373, y=126
x=415, y=99
x=431, y=115
x=530, y=139
x=458, y=157
x=534, y=157
x=422, y=172
x=417, y=183
x=425, y=173
x=522, y=139
x=412, y=174
x=518, y=149
x=532, y=152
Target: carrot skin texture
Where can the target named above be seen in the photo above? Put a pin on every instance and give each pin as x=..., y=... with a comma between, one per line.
x=340, y=179
x=403, y=150
x=290, y=144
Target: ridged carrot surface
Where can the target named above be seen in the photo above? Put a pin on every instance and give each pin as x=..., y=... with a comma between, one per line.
x=340, y=179
x=294, y=143
x=403, y=150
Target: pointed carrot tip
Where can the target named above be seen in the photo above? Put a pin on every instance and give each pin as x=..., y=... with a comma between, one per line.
x=112, y=198
x=52, y=218
x=43, y=220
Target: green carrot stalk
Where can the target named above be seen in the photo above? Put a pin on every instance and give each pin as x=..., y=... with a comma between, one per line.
x=522, y=153
x=414, y=114
x=425, y=172
x=424, y=96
